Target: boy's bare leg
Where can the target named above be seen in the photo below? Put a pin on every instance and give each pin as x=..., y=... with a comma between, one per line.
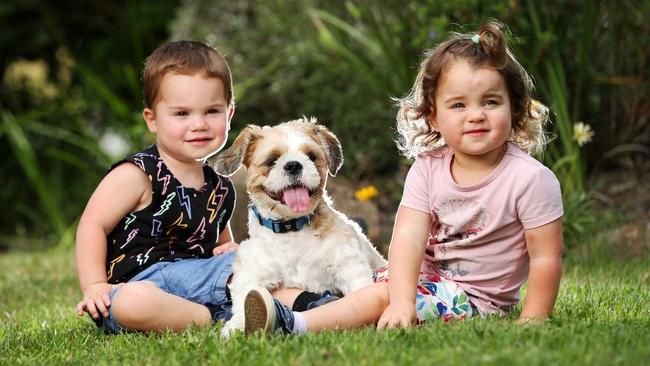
x=360, y=308
x=144, y=306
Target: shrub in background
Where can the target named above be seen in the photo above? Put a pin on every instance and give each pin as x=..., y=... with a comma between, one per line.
x=70, y=77
x=281, y=72
x=339, y=61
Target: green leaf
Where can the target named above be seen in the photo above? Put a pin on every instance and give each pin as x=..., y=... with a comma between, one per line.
x=23, y=150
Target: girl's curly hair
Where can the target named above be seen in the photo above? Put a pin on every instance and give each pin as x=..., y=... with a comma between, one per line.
x=415, y=134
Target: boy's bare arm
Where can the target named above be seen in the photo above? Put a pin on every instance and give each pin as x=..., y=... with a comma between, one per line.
x=123, y=190
x=225, y=244
x=404, y=259
x=545, y=247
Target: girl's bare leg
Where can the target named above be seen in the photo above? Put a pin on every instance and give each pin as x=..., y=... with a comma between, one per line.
x=360, y=308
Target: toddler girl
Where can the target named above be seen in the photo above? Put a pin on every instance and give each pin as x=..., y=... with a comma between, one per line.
x=478, y=216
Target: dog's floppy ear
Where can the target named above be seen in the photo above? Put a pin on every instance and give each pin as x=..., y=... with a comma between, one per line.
x=332, y=148
x=228, y=162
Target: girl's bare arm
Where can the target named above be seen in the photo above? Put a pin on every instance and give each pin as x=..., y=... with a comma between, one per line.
x=545, y=247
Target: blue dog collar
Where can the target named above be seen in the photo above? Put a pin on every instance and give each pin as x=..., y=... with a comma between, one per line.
x=282, y=226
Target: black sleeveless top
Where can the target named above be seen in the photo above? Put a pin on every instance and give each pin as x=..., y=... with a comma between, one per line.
x=180, y=222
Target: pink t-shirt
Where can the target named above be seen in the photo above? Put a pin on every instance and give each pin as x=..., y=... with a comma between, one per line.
x=477, y=235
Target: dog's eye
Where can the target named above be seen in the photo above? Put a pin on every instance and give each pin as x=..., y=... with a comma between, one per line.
x=270, y=161
x=311, y=156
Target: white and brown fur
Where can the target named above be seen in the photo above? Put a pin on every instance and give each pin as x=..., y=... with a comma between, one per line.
x=330, y=253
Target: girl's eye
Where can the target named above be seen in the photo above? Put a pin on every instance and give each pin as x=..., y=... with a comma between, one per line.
x=181, y=114
x=491, y=102
x=311, y=156
x=212, y=111
x=457, y=105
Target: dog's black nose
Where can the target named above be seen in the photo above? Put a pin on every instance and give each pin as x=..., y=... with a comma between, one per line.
x=293, y=168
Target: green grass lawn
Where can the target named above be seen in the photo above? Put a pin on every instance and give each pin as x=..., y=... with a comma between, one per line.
x=602, y=318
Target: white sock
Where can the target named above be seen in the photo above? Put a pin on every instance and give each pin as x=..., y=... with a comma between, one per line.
x=299, y=324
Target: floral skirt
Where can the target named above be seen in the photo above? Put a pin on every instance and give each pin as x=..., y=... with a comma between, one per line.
x=436, y=298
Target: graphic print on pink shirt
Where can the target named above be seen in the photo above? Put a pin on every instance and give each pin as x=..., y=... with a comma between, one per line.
x=458, y=222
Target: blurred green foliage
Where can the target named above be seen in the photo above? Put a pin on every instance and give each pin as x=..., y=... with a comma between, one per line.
x=71, y=82
x=70, y=75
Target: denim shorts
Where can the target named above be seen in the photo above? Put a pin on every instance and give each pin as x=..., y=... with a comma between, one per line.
x=203, y=281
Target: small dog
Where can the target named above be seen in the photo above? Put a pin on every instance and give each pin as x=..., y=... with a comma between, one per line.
x=297, y=240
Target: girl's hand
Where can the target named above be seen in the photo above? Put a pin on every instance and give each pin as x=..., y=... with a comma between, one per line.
x=227, y=247
x=96, y=299
x=531, y=321
x=397, y=315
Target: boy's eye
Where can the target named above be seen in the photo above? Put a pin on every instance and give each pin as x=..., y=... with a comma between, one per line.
x=491, y=102
x=212, y=111
x=457, y=105
x=181, y=114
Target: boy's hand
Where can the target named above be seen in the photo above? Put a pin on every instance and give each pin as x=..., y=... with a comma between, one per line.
x=227, y=247
x=96, y=300
x=397, y=315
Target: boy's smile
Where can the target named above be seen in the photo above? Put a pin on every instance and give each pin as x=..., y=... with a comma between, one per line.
x=191, y=117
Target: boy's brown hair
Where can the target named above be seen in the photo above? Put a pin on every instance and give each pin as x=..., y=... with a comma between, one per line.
x=184, y=57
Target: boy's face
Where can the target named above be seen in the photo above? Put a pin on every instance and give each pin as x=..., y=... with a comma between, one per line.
x=191, y=118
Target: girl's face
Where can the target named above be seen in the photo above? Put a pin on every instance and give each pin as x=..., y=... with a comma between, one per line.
x=191, y=118
x=473, y=112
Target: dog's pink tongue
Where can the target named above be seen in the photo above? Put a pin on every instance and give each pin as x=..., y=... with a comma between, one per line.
x=296, y=198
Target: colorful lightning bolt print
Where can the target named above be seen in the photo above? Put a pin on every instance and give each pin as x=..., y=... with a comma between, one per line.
x=156, y=228
x=185, y=201
x=142, y=259
x=178, y=223
x=165, y=205
x=199, y=233
x=197, y=246
x=132, y=235
x=211, y=207
x=164, y=179
x=129, y=219
x=138, y=161
x=217, y=197
x=221, y=216
x=113, y=263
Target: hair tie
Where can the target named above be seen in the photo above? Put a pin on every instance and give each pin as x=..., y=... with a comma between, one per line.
x=476, y=38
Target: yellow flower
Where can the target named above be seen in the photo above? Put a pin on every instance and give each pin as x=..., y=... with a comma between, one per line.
x=366, y=193
x=582, y=133
x=31, y=76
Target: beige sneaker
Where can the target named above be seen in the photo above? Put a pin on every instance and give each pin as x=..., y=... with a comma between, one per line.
x=259, y=310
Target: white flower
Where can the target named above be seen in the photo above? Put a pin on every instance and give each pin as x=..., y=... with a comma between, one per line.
x=582, y=133
x=113, y=144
